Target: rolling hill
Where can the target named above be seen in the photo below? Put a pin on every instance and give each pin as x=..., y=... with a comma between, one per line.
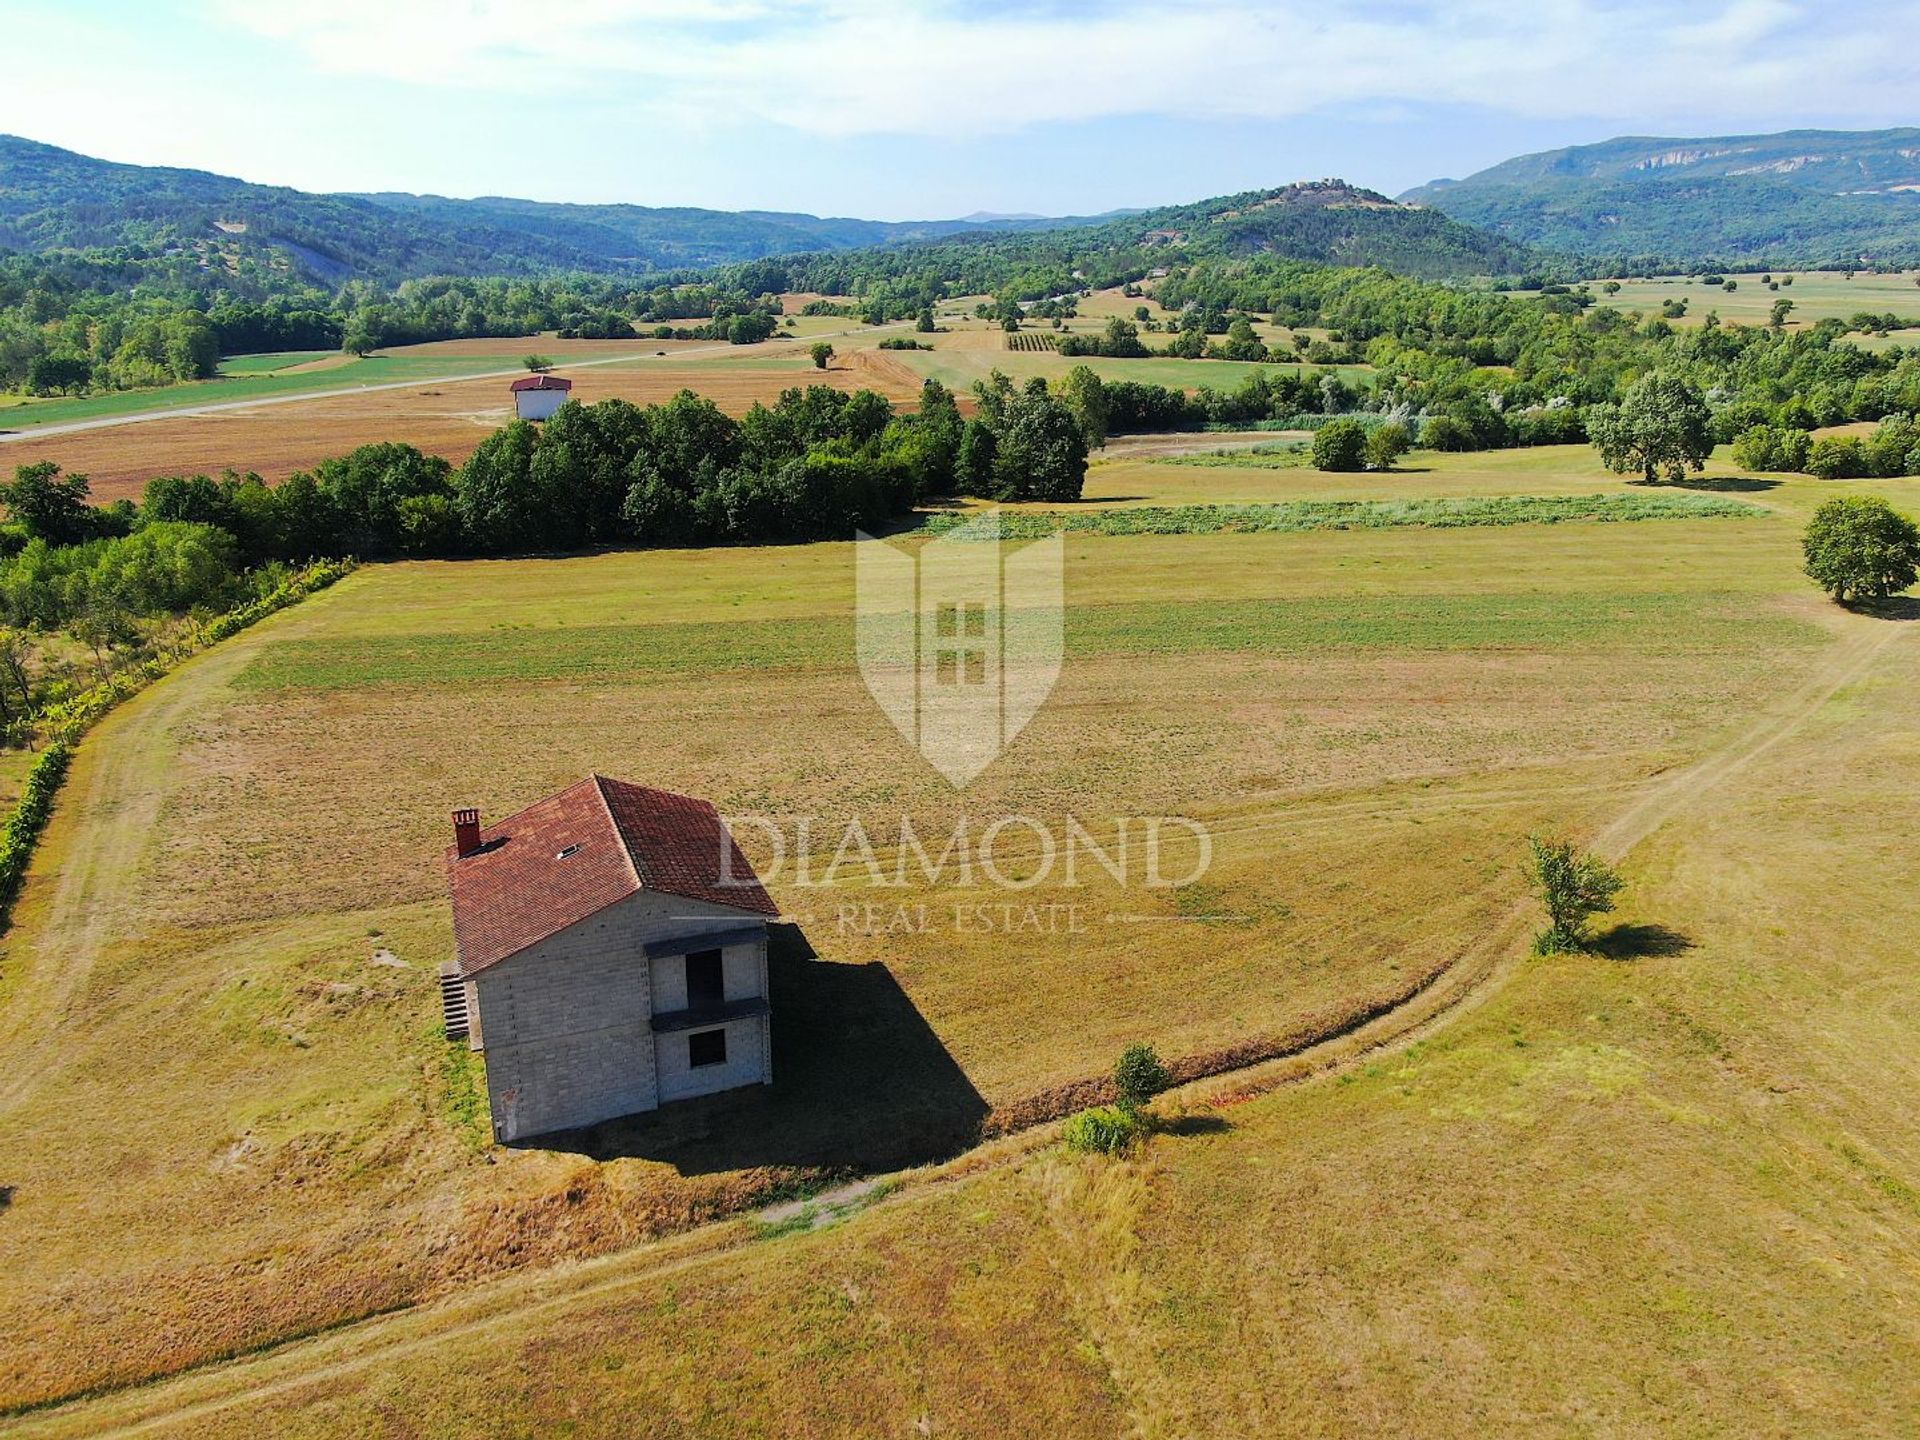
x=54, y=199
x=1798, y=198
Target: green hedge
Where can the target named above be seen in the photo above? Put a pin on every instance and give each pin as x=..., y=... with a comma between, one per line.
x=67, y=721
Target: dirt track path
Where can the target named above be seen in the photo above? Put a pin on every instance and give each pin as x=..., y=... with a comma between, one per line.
x=103, y=821
x=1467, y=985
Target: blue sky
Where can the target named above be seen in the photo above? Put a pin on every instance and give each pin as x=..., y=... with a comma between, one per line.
x=894, y=109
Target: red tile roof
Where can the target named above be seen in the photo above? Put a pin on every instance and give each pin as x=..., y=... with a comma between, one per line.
x=541, y=382
x=573, y=854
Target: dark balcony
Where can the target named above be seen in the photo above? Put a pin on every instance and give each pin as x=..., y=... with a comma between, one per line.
x=710, y=1014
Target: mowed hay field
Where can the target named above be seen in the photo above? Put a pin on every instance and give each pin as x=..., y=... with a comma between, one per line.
x=227, y=1117
x=1816, y=294
x=447, y=418
x=1669, y=1191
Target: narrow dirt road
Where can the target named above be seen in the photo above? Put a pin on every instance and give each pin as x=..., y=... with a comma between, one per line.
x=82, y=876
x=181, y=1401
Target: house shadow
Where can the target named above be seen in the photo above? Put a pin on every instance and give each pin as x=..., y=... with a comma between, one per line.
x=860, y=1081
x=1641, y=942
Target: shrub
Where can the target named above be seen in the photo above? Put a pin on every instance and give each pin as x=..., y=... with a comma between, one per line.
x=1754, y=449
x=1388, y=444
x=1836, y=457
x=1858, y=547
x=1341, y=446
x=1138, y=1077
x=1766, y=447
x=1573, y=887
x=1106, y=1131
x=1443, y=432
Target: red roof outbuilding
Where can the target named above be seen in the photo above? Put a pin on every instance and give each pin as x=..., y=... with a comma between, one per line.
x=573, y=854
x=541, y=382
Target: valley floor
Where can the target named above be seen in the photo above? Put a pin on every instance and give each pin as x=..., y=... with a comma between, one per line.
x=1667, y=1188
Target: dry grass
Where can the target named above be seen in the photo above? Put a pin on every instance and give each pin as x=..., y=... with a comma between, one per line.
x=449, y=419
x=1667, y=1191
x=209, y=1059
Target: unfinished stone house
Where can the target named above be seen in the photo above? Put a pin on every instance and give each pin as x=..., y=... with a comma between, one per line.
x=612, y=956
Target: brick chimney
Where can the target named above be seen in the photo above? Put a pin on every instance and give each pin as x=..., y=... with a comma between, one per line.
x=466, y=831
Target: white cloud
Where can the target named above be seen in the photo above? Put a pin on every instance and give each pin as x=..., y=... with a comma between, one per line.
x=943, y=67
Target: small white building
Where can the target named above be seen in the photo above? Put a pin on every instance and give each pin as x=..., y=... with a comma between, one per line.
x=612, y=956
x=537, y=396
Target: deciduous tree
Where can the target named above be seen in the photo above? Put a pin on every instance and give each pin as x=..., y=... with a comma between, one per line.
x=1661, y=426
x=1858, y=547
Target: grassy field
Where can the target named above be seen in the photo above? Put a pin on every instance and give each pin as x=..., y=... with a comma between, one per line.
x=1816, y=294
x=217, y=1011
x=959, y=368
x=1296, y=516
x=1669, y=1191
x=269, y=364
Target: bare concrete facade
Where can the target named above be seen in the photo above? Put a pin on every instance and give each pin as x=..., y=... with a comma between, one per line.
x=595, y=1023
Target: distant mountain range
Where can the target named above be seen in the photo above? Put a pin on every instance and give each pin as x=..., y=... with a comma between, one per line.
x=1801, y=197
x=55, y=200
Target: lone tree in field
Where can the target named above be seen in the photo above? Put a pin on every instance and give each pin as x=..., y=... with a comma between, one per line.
x=1340, y=445
x=357, y=336
x=1574, y=888
x=537, y=363
x=821, y=353
x=1858, y=547
x=1661, y=426
x=1138, y=1077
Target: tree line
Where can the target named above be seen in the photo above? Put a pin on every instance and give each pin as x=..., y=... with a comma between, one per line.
x=816, y=463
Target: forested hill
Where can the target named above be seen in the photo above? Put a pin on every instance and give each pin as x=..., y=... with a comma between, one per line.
x=1800, y=198
x=54, y=199
x=255, y=239
x=1323, y=222
x=1331, y=222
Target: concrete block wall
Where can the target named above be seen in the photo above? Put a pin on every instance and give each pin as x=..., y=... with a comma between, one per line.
x=748, y=1060
x=568, y=1022
x=743, y=973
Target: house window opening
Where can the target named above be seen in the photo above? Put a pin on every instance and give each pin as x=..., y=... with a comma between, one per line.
x=706, y=980
x=706, y=1047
